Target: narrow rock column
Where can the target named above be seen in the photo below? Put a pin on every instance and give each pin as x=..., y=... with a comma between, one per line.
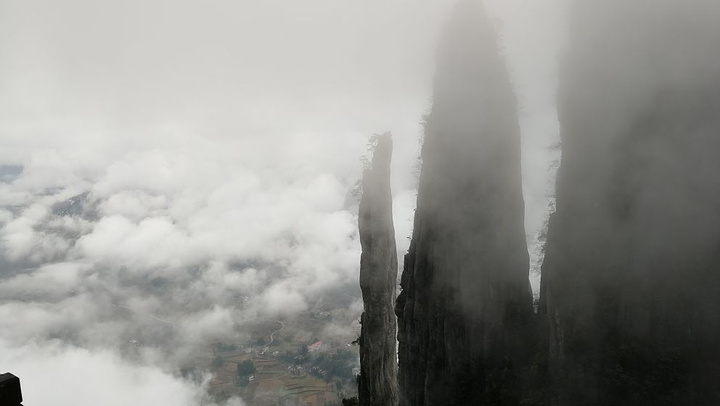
x=378, y=278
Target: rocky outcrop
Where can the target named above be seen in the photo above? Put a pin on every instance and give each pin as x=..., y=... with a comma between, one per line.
x=631, y=280
x=466, y=304
x=378, y=278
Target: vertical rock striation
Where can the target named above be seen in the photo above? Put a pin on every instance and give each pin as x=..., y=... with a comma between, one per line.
x=631, y=279
x=466, y=303
x=378, y=278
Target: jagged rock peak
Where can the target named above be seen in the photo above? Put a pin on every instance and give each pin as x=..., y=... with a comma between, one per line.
x=465, y=311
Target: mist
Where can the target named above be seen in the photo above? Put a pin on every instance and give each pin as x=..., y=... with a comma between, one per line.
x=171, y=173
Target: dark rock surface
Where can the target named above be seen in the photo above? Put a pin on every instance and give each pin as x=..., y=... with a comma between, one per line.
x=378, y=279
x=10, y=392
x=631, y=279
x=465, y=310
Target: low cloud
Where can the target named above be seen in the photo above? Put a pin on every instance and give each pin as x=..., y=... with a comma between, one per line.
x=65, y=376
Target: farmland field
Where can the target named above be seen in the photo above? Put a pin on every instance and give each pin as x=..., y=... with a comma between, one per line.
x=284, y=371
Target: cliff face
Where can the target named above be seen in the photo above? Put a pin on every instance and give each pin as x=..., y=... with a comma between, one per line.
x=378, y=278
x=631, y=280
x=466, y=303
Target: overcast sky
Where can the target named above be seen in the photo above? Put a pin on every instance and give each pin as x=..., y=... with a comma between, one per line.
x=219, y=142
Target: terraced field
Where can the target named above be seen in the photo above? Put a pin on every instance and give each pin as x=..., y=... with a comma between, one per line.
x=273, y=384
x=276, y=382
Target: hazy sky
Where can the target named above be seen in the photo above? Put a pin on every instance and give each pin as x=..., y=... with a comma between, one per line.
x=219, y=142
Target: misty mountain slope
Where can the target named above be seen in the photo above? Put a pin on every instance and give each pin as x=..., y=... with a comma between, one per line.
x=378, y=277
x=466, y=306
x=631, y=280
